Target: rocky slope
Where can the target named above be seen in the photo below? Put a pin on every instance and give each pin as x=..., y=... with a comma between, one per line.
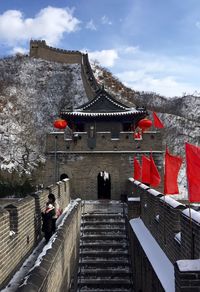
x=32, y=92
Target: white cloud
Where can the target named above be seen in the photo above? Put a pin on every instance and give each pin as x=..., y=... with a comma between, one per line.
x=49, y=24
x=132, y=50
x=162, y=74
x=19, y=50
x=197, y=24
x=105, y=57
x=91, y=25
x=167, y=86
x=105, y=20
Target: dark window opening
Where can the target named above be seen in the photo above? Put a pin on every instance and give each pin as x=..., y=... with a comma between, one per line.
x=79, y=127
x=127, y=127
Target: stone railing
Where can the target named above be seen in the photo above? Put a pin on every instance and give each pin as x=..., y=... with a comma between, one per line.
x=174, y=227
x=56, y=267
x=21, y=226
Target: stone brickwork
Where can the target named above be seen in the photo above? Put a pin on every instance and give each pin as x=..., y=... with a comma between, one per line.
x=82, y=164
x=145, y=279
x=39, y=49
x=21, y=227
x=104, y=142
x=175, y=228
x=58, y=265
x=187, y=280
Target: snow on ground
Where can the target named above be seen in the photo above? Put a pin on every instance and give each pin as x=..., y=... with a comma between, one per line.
x=161, y=264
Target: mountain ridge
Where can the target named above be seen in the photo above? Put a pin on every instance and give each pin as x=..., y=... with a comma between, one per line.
x=33, y=91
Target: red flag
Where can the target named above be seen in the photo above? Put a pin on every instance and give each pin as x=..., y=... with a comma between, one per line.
x=137, y=169
x=157, y=122
x=193, y=172
x=172, y=167
x=145, y=169
x=155, y=178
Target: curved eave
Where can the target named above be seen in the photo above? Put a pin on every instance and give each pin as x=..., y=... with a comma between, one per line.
x=109, y=114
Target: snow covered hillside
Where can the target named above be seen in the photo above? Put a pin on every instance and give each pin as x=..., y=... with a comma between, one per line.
x=32, y=92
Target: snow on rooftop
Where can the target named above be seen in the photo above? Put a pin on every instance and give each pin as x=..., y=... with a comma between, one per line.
x=189, y=265
x=161, y=264
x=173, y=203
x=194, y=214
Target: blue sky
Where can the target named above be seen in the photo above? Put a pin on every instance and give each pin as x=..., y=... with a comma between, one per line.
x=150, y=45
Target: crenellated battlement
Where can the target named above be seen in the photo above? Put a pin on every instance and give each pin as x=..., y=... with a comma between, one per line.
x=39, y=49
x=36, y=44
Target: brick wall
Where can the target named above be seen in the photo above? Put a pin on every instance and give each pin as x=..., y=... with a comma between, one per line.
x=77, y=161
x=188, y=278
x=144, y=277
x=20, y=229
x=39, y=49
x=58, y=264
x=175, y=228
x=104, y=142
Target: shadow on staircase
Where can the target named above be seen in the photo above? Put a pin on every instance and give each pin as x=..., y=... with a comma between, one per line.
x=104, y=261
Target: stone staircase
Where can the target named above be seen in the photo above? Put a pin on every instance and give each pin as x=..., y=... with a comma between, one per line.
x=103, y=259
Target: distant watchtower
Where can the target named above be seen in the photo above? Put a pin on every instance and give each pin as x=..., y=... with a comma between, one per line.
x=98, y=153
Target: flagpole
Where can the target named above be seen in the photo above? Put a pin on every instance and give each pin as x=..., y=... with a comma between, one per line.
x=190, y=216
x=164, y=227
x=192, y=239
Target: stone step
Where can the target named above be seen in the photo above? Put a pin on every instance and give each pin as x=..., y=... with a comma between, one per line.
x=105, y=283
x=111, y=236
x=105, y=272
x=100, y=249
x=103, y=253
x=101, y=216
x=100, y=262
x=103, y=233
x=87, y=228
x=103, y=224
x=108, y=244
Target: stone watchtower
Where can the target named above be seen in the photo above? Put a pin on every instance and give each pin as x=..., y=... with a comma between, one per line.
x=96, y=150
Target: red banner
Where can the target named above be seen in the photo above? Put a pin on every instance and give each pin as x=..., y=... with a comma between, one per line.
x=145, y=169
x=172, y=167
x=155, y=178
x=157, y=122
x=137, y=169
x=193, y=171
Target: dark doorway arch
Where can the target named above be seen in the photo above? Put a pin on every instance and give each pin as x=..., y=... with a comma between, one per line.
x=63, y=176
x=104, y=185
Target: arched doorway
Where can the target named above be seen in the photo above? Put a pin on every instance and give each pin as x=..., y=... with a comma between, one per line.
x=104, y=185
x=63, y=176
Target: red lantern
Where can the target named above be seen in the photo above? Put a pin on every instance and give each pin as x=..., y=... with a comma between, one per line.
x=60, y=124
x=144, y=124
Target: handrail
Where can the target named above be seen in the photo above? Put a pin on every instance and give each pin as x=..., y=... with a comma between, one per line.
x=129, y=251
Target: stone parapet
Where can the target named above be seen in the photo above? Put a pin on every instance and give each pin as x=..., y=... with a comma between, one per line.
x=176, y=228
x=79, y=142
x=57, y=266
x=21, y=227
